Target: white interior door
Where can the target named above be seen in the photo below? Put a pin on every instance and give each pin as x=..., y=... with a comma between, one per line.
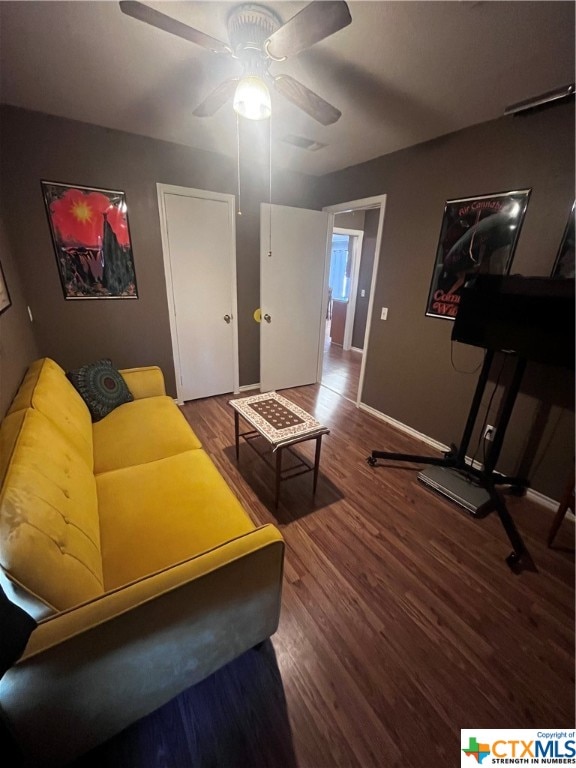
x=199, y=258
x=293, y=290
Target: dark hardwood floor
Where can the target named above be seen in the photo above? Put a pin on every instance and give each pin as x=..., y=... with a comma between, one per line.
x=341, y=369
x=401, y=622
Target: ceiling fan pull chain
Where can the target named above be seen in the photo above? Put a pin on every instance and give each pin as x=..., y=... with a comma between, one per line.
x=270, y=183
x=238, y=163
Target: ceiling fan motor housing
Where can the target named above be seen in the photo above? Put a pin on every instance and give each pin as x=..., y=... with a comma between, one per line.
x=249, y=26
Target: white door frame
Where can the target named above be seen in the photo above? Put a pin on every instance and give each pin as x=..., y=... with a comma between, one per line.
x=358, y=234
x=170, y=189
x=378, y=201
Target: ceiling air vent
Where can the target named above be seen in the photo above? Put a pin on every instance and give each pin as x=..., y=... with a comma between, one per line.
x=303, y=143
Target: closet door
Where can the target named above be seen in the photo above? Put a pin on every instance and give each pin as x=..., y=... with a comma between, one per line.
x=200, y=263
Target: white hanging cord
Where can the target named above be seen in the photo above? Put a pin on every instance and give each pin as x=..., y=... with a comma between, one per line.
x=238, y=163
x=270, y=183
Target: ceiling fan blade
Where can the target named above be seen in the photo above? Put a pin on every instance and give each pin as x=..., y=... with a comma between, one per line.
x=156, y=19
x=307, y=100
x=217, y=98
x=313, y=23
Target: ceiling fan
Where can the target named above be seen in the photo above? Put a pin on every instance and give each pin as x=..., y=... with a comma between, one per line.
x=257, y=37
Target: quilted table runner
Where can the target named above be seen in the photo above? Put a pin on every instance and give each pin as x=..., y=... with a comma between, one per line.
x=277, y=419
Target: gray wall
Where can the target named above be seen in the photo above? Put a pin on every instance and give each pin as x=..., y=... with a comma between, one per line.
x=365, y=277
x=409, y=373
x=35, y=146
x=17, y=343
x=349, y=219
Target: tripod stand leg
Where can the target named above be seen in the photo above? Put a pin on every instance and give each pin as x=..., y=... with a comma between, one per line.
x=448, y=460
x=519, y=555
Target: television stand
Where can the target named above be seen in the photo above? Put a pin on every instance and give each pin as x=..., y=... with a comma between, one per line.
x=474, y=488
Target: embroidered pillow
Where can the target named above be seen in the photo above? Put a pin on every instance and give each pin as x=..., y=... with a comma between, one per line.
x=101, y=386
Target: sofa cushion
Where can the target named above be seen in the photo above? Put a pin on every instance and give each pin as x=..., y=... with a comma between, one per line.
x=161, y=513
x=146, y=381
x=139, y=432
x=101, y=386
x=18, y=594
x=46, y=389
x=49, y=527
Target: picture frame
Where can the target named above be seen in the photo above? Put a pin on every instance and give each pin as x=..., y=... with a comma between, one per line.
x=5, y=300
x=564, y=264
x=91, y=240
x=478, y=235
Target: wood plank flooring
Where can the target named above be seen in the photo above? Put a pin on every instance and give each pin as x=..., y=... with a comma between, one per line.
x=401, y=622
x=341, y=370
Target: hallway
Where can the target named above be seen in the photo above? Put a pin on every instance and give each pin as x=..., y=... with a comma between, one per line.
x=341, y=370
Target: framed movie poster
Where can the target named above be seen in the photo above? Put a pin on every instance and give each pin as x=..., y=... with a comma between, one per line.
x=91, y=238
x=478, y=235
x=564, y=264
x=5, y=300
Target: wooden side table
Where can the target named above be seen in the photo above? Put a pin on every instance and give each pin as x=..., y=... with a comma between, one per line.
x=283, y=425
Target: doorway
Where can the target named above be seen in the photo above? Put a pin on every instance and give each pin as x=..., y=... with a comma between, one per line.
x=341, y=364
x=354, y=258
x=294, y=271
x=345, y=259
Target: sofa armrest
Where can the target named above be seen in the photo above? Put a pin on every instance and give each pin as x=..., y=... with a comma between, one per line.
x=90, y=671
x=144, y=382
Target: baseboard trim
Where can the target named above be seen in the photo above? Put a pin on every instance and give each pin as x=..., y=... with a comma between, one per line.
x=357, y=349
x=248, y=387
x=535, y=496
x=404, y=428
x=544, y=501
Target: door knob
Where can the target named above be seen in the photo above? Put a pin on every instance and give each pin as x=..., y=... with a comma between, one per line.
x=227, y=318
x=267, y=318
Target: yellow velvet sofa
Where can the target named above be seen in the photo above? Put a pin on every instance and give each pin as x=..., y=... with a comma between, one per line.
x=125, y=543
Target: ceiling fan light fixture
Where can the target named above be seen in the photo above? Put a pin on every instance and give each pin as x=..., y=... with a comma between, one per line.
x=257, y=36
x=252, y=98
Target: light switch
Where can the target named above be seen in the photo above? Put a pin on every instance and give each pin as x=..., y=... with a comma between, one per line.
x=384, y=313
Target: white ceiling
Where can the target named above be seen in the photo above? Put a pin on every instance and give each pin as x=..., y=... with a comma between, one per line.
x=401, y=73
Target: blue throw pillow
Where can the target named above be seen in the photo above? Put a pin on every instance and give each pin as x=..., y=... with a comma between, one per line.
x=101, y=386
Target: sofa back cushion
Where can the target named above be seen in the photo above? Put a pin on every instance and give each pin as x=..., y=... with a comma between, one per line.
x=49, y=525
x=46, y=389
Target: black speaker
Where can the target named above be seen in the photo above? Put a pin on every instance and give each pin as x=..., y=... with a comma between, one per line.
x=531, y=316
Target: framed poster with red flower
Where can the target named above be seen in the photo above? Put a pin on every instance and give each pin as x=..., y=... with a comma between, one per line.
x=91, y=238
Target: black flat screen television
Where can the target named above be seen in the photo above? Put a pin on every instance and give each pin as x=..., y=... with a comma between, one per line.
x=531, y=316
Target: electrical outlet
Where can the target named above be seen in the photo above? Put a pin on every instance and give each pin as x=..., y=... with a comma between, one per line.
x=384, y=313
x=489, y=432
